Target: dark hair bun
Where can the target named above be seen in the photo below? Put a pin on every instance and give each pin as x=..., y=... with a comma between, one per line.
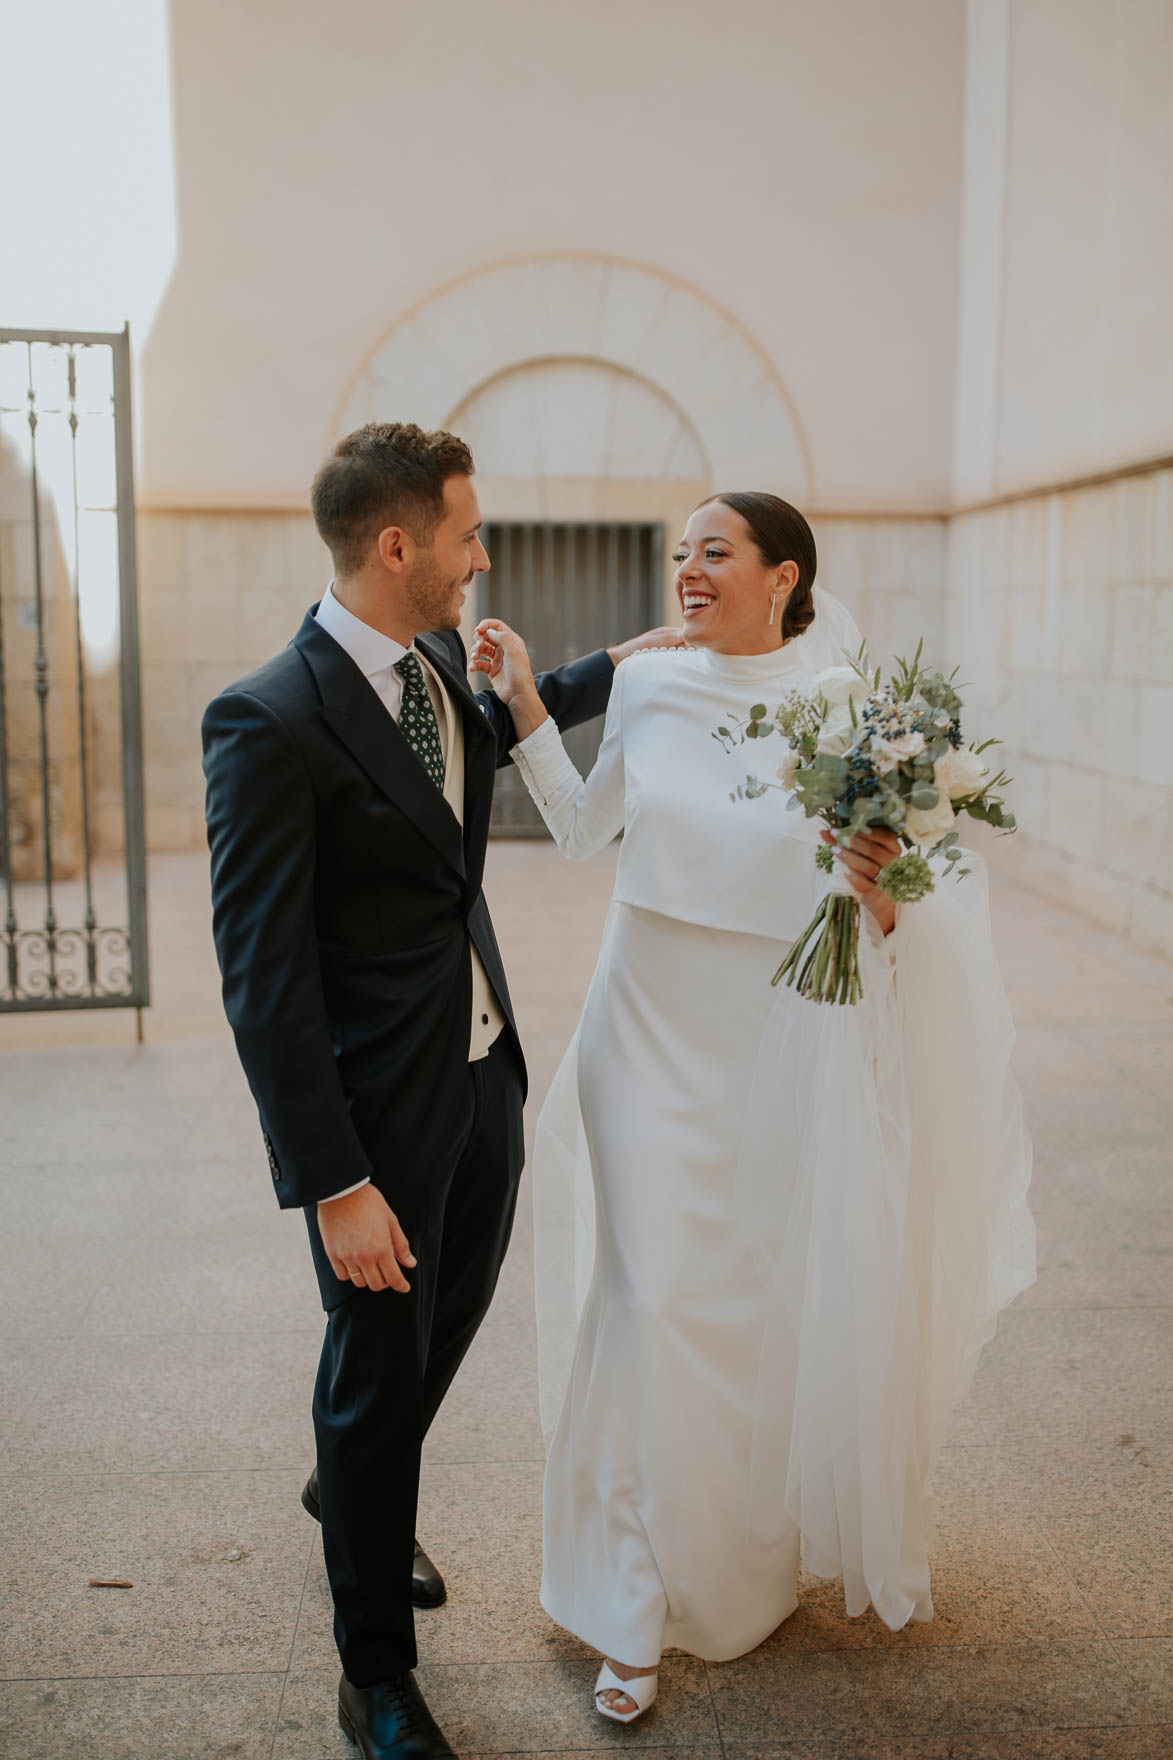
x=781, y=535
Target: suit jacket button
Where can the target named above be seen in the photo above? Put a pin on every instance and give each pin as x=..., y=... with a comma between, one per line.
x=484, y=1020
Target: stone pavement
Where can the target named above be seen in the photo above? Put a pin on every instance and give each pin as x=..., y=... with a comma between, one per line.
x=159, y=1330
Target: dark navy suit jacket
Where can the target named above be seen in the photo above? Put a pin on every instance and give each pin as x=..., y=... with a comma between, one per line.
x=345, y=894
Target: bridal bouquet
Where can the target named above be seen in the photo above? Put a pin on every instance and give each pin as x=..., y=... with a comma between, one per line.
x=864, y=755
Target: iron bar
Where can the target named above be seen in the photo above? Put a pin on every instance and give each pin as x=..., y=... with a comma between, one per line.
x=134, y=806
x=11, y=924
x=41, y=688
x=90, y=919
x=62, y=338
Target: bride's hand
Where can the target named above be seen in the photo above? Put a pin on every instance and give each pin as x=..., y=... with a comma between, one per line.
x=501, y=655
x=863, y=857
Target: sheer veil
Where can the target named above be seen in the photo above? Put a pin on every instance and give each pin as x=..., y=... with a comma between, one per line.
x=833, y=639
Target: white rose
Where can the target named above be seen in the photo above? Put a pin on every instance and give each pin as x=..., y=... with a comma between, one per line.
x=839, y=684
x=927, y=826
x=789, y=767
x=959, y=773
x=837, y=732
x=887, y=753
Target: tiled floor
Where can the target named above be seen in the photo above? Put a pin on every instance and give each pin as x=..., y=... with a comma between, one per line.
x=159, y=1329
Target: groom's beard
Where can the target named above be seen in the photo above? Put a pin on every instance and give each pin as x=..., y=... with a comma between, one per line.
x=436, y=602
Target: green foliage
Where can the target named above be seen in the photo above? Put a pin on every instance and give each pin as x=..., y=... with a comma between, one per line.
x=868, y=787
x=908, y=879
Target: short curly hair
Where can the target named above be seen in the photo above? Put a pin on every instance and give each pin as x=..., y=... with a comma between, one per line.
x=384, y=474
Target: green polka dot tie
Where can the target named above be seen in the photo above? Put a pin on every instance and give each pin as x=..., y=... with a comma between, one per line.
x=417, y=719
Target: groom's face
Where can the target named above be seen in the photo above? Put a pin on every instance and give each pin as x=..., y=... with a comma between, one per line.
x=445, y=569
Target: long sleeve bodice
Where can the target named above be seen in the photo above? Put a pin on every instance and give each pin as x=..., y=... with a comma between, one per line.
x=666, y=779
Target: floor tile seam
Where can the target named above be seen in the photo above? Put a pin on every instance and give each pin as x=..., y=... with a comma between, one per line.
x=49, y=1477
x=309, y=1559
x=920, y=1650
x=1139, y=1029
x=171, y=1674
x=187, y=1332
x=885, y=1735
x=941, y=1727
x=480, y=1460
x=713, y=1707
x=1140, y=1638
x=1040, y=1307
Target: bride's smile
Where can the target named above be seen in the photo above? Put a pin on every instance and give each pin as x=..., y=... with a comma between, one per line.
x=731, y=599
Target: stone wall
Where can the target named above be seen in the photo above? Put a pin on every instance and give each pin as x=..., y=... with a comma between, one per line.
x=221, y=592
x=1061, y=608
x=218, y=593
x=1058, y=607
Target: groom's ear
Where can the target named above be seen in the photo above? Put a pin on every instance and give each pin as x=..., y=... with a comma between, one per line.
x=396, y=548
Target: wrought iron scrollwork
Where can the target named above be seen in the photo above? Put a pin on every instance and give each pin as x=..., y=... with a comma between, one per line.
x=54, y=965
x=58, y=393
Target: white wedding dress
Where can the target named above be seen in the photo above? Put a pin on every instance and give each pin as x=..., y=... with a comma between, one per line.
x=772, y=1236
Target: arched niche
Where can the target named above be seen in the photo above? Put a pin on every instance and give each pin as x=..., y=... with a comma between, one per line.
x=659, y=332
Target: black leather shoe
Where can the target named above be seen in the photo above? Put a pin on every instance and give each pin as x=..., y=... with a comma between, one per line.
x=427, y=1585
x=390, y=1721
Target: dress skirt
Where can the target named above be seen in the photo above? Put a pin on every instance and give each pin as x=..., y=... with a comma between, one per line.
x=663, y=1527
x=784, y=1230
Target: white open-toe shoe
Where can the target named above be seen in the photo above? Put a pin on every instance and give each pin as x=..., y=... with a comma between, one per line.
x=642, y=1688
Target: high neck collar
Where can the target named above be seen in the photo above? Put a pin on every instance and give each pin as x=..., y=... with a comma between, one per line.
x=773, y=664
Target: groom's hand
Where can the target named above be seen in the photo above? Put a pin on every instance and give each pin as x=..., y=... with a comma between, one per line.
x=666, y=637
x=363, y=1240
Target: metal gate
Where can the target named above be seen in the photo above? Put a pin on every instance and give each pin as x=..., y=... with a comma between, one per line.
x=73, y=893
x=568, y=589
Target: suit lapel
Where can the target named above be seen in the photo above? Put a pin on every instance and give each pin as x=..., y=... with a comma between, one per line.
x=353, y=710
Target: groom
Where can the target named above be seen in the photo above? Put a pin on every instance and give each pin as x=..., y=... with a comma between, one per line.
x=349, y=785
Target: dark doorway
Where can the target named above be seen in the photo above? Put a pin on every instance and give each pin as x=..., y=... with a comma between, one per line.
x=567, y=588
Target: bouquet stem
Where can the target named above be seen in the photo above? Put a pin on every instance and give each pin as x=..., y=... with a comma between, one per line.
x=823, y=964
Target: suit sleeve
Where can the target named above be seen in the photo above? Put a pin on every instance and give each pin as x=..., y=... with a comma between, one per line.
x=262, y=835
x=572, y=694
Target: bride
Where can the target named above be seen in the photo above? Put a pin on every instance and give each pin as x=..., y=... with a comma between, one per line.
x=805, y=1217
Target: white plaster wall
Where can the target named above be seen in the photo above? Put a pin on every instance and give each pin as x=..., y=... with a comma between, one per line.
x=574, y=418
x=531, y=331
x=796, y=163
x=1060, y=606
x=1064, y=362
x=983, y=207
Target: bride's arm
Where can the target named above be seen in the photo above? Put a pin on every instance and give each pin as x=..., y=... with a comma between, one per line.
x=582, y=817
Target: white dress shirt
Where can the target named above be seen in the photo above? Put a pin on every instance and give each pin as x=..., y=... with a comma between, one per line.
x=376, y=657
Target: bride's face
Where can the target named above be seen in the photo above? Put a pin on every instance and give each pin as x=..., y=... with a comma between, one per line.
x=723, y=586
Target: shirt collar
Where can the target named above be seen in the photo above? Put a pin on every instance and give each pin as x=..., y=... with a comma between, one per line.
x=369, y=648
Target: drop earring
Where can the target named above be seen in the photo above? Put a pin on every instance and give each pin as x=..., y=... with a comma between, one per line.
x=773, y=605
